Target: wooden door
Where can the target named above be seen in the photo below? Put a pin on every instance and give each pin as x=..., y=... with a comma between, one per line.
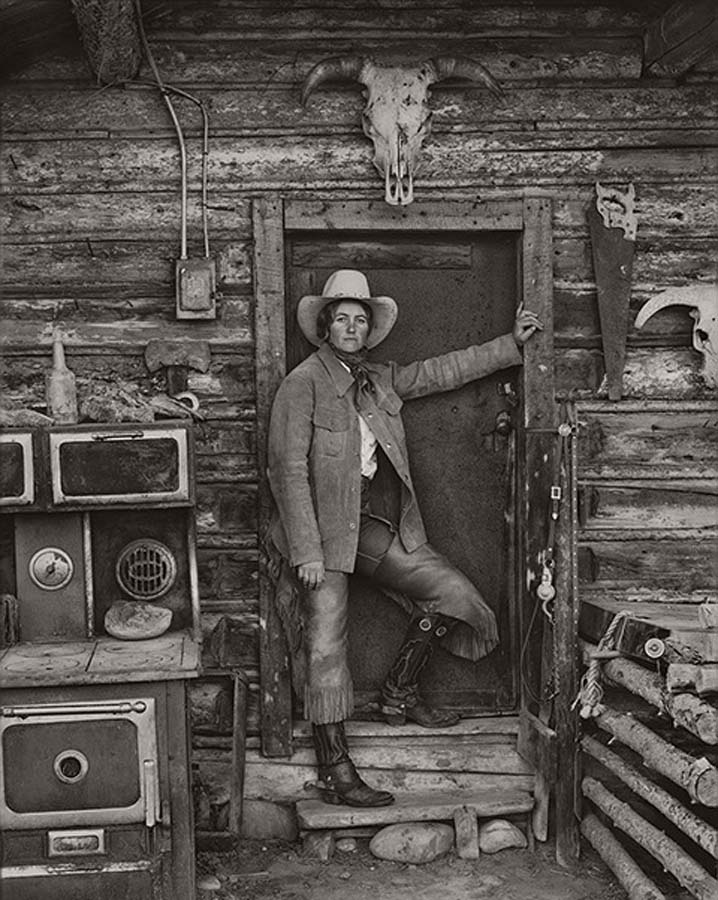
x=453, y=289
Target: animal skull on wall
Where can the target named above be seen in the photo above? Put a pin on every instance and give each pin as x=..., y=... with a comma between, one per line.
x=397, y=116
x=703, y=300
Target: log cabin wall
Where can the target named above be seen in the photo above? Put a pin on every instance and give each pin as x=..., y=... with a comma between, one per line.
x=90, y=226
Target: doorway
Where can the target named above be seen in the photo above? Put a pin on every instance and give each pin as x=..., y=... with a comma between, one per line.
x=457, y=271
x=453, y=289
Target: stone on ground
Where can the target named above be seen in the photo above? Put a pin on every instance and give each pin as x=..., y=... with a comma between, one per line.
x=412, y=842
x=500, y=834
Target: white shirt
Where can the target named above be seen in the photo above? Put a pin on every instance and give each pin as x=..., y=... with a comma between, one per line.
x=368, y=444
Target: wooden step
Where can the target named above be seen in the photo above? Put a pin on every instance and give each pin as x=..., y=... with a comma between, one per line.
x=315, y=814
x=476, y=725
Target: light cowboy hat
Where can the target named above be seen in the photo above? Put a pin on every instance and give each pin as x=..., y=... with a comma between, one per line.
x=347, y=284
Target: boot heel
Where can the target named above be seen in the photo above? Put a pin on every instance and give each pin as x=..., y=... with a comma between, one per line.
x=331, y=797
x=396, y=718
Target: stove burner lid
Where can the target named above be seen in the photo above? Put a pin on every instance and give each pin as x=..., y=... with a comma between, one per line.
x=146, y=569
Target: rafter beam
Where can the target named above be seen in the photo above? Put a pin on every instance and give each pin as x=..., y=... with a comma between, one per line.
x=684, y=35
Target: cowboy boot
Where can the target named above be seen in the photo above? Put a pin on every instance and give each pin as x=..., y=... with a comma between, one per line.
x=339, y=781
x=400, y=694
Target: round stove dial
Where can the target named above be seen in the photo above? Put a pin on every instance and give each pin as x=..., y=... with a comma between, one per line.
x=51, y=568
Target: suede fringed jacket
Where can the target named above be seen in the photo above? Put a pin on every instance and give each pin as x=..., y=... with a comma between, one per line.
x=314, y=459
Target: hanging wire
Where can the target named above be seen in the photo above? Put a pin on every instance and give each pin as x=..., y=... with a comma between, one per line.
x=205, y=149
x=178, y=128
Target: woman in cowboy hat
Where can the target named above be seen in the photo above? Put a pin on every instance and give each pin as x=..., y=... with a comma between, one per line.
x=339, y=473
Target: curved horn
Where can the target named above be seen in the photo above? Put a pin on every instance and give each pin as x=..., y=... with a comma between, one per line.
x=463, y=67
x=660, y=301
x=332, y=69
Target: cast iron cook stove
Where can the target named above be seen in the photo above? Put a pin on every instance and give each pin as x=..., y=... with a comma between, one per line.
x=95, y=794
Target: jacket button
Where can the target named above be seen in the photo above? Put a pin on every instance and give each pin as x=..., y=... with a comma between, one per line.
x=388, y=446
x=352, y=526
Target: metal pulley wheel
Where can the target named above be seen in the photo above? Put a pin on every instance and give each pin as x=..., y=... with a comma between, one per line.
x=654, y=648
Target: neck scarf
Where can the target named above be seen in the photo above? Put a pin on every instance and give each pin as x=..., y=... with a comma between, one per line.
x=356, y=363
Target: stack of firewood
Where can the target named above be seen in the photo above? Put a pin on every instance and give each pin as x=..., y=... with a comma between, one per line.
x=657, y=783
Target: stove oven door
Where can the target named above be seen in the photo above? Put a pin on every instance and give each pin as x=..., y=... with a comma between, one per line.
x=79, y=764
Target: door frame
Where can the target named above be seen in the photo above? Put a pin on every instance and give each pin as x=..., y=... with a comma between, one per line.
x=274, y=217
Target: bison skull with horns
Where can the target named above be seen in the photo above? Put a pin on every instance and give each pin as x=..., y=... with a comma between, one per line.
x=397, y=117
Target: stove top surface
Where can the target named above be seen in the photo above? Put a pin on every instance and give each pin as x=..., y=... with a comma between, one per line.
x=100, y=660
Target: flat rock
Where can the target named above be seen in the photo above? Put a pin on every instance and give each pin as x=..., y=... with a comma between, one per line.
x=413, y=842
x=500, y=834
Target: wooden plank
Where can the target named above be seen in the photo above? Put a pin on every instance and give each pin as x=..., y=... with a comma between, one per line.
x=480, y=726
x=443, y=755
x=685, y=34
x=466, y=830
x=276, y=694
x=181, y=819
x=677, y=625
x=422, y=215
x=315, y=814
x=421, y=253
x=537, y=745
x=283, y=782
x=565, y=615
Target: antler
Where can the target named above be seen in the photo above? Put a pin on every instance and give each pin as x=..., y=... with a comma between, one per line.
x=463, y=67
x=333, y=69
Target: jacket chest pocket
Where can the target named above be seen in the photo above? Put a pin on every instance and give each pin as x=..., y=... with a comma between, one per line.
x=331, y=432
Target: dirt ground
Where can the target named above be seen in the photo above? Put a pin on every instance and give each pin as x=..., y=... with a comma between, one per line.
x=262, y=870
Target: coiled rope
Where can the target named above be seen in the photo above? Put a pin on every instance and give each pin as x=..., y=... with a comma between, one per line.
x=590, y=693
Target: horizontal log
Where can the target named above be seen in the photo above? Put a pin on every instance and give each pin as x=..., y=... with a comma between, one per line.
x=686, y=711
x=333, y=20
x=678, y=208
x=697, y=829
x=34, y=266
x=696, y=776
x=655, y=507
x=474, y=161
x=700, y=679
x=650, y=374
x=672, y=857
x=619, y=444
x=645, y=565
x=194, y=62
x=634, y=881
x=243, y=110
x=90, y=261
